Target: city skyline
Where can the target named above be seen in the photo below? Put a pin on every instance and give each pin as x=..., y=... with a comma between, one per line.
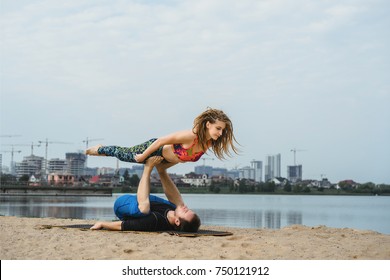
x=313, y=78
x=249, y=171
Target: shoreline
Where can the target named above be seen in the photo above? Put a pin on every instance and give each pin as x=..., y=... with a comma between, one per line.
x=28, y=239
x=110, y=190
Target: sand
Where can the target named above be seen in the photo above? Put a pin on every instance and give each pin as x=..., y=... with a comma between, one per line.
x=28, y=239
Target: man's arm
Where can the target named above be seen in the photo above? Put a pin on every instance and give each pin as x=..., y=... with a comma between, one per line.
x=108, y=225
x=170, y=189
x=143, y=191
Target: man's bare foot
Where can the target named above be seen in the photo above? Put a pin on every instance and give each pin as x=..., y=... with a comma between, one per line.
x=153, y=161
x=93, y=151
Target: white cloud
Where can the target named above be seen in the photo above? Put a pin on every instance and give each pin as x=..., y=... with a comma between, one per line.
x=285, y=65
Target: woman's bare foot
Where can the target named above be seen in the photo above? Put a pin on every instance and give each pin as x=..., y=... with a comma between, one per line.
x=93, y=151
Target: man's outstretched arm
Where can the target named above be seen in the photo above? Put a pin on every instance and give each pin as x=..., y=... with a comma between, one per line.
x=143, y=191
x=170, y=189
x=108, y=225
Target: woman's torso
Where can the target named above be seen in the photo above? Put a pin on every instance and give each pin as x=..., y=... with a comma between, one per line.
x=170, y=155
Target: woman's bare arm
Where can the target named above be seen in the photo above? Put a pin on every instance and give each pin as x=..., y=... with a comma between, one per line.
x=182, y=137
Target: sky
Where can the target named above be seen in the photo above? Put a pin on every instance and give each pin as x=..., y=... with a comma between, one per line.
x=307, y=75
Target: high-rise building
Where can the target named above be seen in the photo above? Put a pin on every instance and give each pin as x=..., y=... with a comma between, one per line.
x=57, y=165
x=258, y=168
x=31, y=165
x=219, y=172
x=247, y=172
x=75, y=163
x=233, y=174
x=294, y=173
x=272, y=167
x=204, y=169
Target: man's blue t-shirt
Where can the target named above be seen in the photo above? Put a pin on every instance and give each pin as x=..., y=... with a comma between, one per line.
x=126, y=209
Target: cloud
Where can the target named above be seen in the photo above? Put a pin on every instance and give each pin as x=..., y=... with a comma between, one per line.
x=336, y=16
x=121, y=68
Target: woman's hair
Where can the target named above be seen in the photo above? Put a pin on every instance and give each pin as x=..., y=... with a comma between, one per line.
x=222, y=145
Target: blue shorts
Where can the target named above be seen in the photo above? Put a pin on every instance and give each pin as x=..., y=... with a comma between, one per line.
x=126, y=206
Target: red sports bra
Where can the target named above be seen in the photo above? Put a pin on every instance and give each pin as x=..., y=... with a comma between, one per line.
x=187, y=154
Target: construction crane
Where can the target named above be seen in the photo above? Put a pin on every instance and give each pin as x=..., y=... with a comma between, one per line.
x=12, y=153
x=295, y=151
x=87, y=140
x=12, y=159
x=32, y=146
x=9, y=135
x=47, y=142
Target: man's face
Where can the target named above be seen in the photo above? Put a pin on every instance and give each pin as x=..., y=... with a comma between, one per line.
x=183, y=212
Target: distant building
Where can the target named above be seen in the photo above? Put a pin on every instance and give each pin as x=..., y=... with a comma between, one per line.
x=134, y=170
x=325, y=183
x=280, y=181
x=106, y=171
x=30, y=165
x=272, y=167
x=233, y=174
x=258, y=169
x=105, y=180
x=5, y=170
x=218, y=172
x=91, y=171
x=75, y=163
x=59, y=179
x=204, y=169
x=247, y=172
x=57, y=165
x=196, y=180
x=34, y=182
x=210, y=171
x=294, y=173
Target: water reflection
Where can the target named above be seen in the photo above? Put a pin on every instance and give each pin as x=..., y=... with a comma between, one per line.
x=249, y=219
x=58, y=207
x=255, y=211
x=101, y=208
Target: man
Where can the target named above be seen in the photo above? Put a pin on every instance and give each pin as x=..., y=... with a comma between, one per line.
x=146, y=212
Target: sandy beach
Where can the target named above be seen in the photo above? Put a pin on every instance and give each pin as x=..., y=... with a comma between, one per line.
x=29, y=239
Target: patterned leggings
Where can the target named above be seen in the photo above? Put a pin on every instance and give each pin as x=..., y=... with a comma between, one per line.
x=128, y=153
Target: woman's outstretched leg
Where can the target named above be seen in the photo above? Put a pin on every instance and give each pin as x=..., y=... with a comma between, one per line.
x=93, y=151
x=123, y=153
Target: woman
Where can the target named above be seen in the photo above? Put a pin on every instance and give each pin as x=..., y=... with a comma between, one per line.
x=212, y=129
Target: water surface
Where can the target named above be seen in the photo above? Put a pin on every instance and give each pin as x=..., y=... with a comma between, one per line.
x=245, y=211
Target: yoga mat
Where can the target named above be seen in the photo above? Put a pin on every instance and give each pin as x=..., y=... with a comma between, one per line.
x=200, y=232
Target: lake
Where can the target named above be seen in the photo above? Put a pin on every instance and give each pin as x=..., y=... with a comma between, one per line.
x=244, y=211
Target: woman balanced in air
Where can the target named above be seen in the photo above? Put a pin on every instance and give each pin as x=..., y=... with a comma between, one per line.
x=212, y=129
